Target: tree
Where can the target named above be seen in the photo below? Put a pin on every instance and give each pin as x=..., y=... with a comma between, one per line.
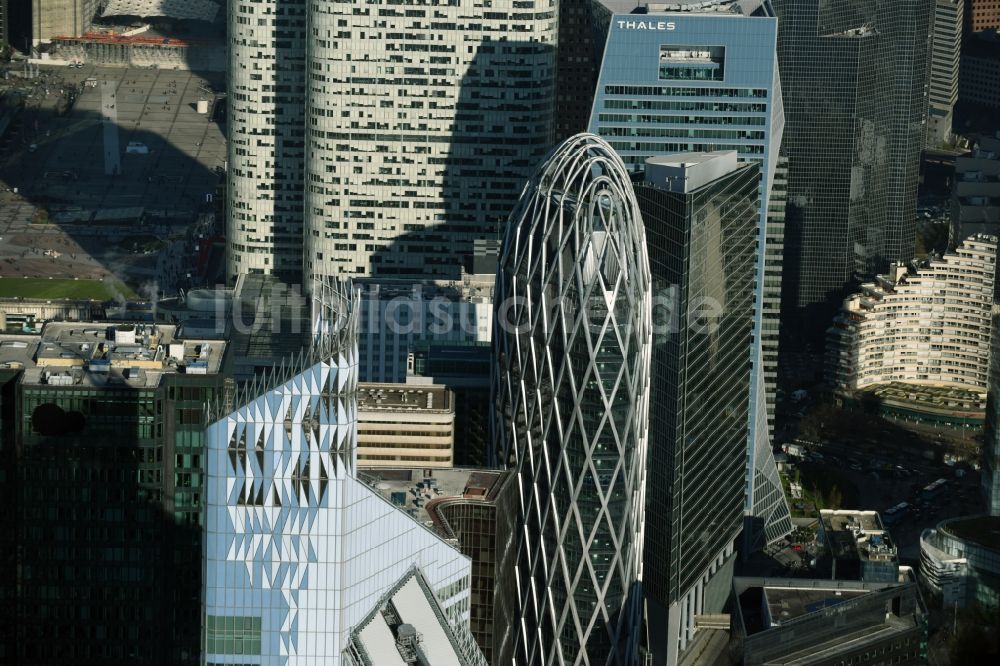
x=970, y=645
x=836, y=498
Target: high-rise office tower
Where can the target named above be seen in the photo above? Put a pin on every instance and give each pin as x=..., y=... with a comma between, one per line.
x=854, y=78
x=703, y=77
x=3, y=24
x=990, y=477
x=480, y=519
x=424, y=123
x=571, y=393
x=101, y=458
x=975, y=191
x=581, y=37
x=267, y=137
x=982, y=15
x=979, y=71
x=700, y=212
x=946, y=47
x=410, y=138
x=774, y=262
x=300, y=554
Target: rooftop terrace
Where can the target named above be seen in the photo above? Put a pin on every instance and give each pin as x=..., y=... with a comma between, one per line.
x=981, y=530
x=860, y=533
x=101, y=354
x=413, y=489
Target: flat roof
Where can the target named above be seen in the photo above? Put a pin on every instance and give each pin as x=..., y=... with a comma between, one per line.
x=687, y=172
x=18, y=351
x=845, y=519
x=687, y=159
x=981, y=530
x=378, y=397
x=422, y=632
x=103, y=354
x=787, y=603
x=858, y=534
x=410, y=486
x=471, y=287
x=682, y=6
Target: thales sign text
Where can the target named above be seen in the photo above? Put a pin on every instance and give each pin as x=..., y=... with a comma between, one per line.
x=646, y=25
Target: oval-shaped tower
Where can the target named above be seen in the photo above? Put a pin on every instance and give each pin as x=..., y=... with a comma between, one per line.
x=571, y=391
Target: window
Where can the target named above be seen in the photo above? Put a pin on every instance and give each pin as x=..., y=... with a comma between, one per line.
x=229, y=634
x=692, y=63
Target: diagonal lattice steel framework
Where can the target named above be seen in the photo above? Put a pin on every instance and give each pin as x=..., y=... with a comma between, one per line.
x=571, y=389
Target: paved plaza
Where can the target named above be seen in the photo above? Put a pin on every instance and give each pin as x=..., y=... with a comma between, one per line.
x=79, y=203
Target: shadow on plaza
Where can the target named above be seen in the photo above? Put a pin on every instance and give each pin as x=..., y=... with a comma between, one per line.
x=53, y=152
x=152, y=195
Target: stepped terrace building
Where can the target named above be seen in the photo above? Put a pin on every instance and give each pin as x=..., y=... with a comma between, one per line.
x=929, y=325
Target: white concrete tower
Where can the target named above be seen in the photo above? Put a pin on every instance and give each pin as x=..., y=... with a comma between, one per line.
x=266, y=137
x=424, y=122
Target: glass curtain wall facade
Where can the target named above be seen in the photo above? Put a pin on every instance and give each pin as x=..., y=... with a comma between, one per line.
x=581, y=39
x=8, y=521
x=4, y=22
x=571, y=394
x=854, y=74
x=700, y=213
x=108, y=484
x=298, y=551
x=774, y=261
x=706, y=79
x=483, y=528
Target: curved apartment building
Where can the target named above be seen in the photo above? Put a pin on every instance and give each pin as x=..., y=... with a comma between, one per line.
x=266, y=149
x=572, y=340
x=390, y=140
x=960, y=559
x=930, y=325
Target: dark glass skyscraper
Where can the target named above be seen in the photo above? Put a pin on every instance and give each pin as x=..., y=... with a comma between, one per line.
x=700, y=212
x=702, y=77
x=854, y=76
x=577, y=61
x=101, y=453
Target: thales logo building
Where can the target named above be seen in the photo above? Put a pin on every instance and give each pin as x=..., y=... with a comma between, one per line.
x=647, y=25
